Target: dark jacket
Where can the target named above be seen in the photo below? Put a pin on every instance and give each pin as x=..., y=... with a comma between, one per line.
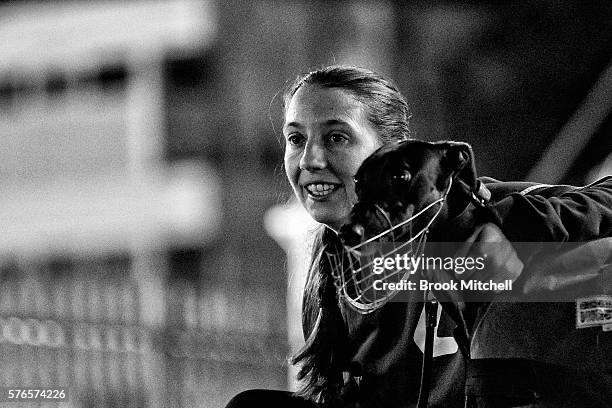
x=383, y=344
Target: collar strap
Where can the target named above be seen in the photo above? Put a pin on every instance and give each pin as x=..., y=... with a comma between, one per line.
x=480, y=195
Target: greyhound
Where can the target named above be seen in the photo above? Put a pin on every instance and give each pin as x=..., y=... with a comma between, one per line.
x=412, y=192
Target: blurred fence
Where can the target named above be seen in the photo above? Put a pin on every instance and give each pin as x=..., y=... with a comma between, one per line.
x=78, y=326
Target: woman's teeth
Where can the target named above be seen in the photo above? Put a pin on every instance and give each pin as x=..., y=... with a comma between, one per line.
x=320, y=189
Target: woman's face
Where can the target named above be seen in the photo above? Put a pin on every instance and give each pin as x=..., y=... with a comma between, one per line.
x=327, y=138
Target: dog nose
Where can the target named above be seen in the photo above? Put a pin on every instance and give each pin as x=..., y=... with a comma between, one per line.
x=352, y=234
x=358, y=230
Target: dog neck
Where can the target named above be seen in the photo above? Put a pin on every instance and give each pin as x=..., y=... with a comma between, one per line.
x=459, y=227
x=461, y=217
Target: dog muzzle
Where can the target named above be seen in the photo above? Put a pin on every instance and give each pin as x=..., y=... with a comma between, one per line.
x=373, y=272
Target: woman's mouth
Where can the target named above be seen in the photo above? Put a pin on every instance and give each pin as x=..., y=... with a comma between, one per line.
x=320, y=190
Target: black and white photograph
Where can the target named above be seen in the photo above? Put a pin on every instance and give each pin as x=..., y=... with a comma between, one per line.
x=305, y=204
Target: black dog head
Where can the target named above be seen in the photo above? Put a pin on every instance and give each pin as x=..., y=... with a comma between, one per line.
x=400, y=179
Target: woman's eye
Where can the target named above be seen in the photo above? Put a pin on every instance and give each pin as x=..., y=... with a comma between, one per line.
x=338, y=138
x=295, y=139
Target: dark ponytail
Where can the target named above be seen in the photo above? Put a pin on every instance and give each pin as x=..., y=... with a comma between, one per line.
x=321, y=359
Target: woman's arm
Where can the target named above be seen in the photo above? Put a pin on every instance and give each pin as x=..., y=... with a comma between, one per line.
x=555, y=213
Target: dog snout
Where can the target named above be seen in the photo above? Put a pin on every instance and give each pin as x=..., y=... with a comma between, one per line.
x=352, y=234
x=358, y=230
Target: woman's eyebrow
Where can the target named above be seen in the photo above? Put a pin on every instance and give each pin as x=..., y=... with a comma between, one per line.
x=329, y=122
x=336, y=122
x=292, y=124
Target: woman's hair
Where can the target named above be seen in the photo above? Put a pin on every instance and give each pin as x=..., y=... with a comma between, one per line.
x=323, y=358
x=386, y=107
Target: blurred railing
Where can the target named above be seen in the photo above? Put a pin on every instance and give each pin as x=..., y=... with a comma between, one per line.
x=77, y=324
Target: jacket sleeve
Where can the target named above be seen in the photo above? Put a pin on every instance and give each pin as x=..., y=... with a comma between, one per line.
x=553, y=213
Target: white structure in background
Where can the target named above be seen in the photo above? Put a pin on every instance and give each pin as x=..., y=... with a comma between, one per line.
x=85, y=172
x=82, y=172
x=293, y=229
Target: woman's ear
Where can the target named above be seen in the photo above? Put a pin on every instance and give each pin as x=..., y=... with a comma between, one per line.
x=459, y=159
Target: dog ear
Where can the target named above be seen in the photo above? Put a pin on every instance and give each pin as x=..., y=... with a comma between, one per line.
x=459, y=158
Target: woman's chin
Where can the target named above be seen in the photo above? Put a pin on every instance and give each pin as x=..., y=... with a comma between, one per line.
x=329, y=216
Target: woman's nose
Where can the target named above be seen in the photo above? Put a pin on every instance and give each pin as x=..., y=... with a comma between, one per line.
x=313, y=157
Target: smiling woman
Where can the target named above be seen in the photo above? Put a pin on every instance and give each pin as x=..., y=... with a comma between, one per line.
x=327, y=137
x=335, y=118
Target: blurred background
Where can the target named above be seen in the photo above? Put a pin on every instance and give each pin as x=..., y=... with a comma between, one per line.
x=149, y=256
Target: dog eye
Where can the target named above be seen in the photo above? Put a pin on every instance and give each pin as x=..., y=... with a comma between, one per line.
x=403, y=177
